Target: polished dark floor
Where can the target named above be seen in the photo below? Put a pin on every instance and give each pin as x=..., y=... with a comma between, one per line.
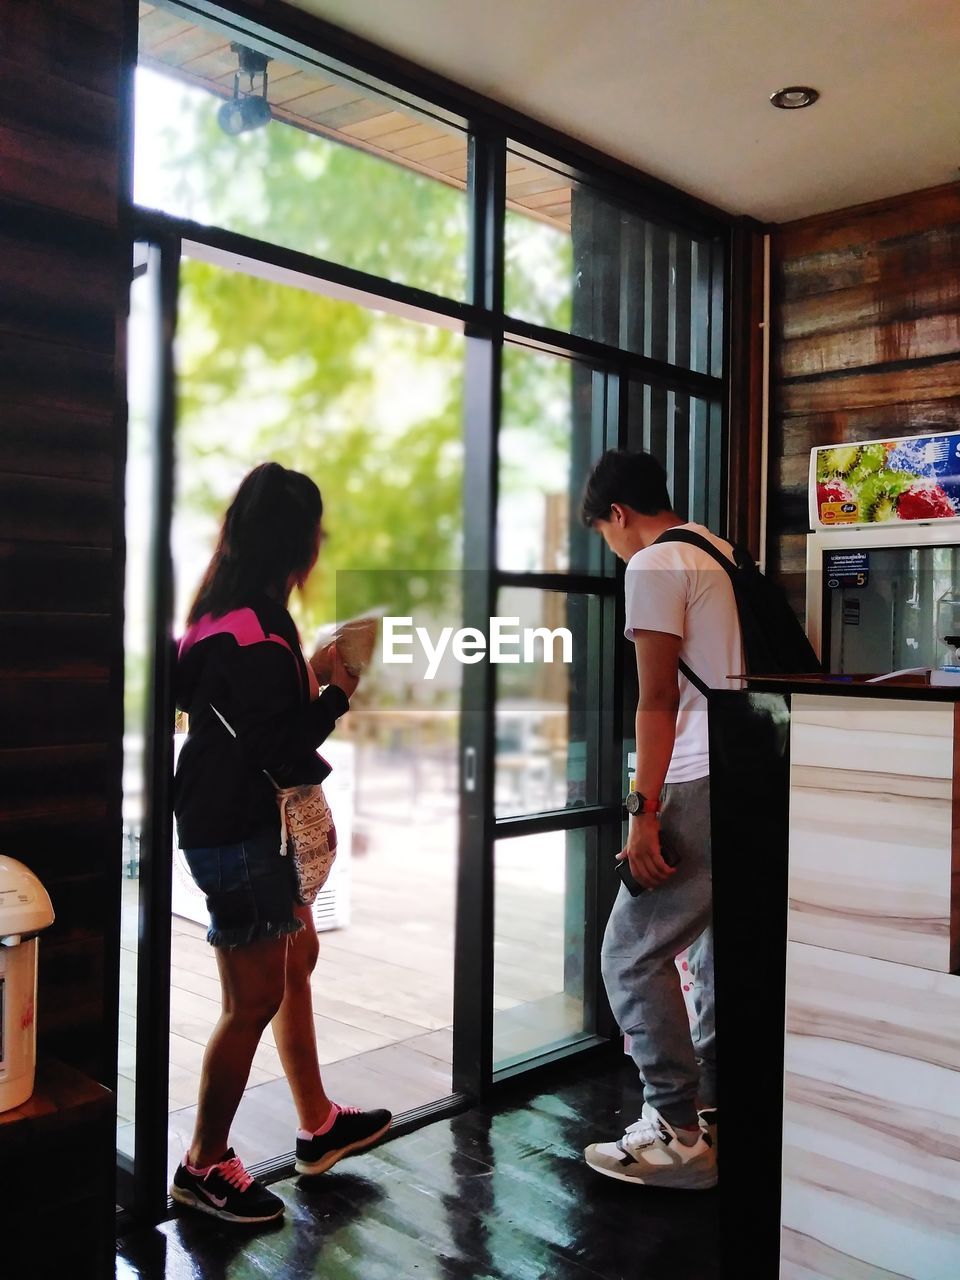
x=498, y=1193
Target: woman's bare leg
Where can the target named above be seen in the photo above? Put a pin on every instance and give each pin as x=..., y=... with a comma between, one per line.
x=251, y=981
x=294, y=1029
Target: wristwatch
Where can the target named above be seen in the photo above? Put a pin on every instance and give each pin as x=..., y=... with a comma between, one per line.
x=636, y=803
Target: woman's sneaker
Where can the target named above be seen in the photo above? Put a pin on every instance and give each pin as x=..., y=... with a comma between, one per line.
x=651, y=1154
x=352, y=1130
x=225, y=1190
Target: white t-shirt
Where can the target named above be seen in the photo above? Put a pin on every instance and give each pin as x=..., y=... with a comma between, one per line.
x=680, y=589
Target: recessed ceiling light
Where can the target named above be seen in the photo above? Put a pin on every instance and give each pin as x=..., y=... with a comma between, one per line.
x=794, y=97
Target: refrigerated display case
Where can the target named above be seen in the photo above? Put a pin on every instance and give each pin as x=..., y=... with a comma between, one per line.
x=884, y=551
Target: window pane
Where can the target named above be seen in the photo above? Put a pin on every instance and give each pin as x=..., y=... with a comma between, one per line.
x=551, y=433
x=579, y=261
x=684, y=432
x=542, y=958
x=538, y=247
x=340, y=171
x=546, y=712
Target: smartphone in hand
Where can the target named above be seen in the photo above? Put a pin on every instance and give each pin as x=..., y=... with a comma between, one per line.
x=632, y=885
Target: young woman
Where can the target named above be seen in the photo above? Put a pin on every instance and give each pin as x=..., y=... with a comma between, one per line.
x=241, y=660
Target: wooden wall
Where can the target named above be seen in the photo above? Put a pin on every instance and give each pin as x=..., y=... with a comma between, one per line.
x=866, y=342
x=62, y=287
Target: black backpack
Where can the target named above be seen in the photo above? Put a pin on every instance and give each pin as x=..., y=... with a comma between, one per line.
x=773, y=640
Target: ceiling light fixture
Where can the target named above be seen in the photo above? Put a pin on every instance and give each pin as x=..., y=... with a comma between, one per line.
x=794, y=97
x=251, y=110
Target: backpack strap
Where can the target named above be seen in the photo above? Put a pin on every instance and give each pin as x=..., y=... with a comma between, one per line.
x=697, y=540
x=740, y=557
x=694, y=678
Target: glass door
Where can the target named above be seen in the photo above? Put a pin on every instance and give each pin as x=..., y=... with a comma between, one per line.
x=552, y=729
x=540, y=746
x=370, y=405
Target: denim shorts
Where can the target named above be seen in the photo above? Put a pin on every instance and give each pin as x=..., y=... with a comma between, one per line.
x=250, y=889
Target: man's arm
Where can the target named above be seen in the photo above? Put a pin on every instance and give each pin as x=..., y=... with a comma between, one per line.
x=658, y=657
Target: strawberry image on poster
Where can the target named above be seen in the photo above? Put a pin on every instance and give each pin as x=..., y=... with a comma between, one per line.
x=834, y=491
x=924, y=500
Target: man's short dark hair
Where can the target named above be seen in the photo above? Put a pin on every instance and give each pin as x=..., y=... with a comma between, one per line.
x=635, y=480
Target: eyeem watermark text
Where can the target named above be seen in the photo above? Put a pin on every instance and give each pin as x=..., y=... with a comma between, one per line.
x=469, y=645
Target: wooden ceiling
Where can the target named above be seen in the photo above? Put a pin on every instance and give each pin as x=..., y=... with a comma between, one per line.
x=345, y=111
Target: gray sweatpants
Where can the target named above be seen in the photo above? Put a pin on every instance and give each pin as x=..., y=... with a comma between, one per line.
x=642, y=939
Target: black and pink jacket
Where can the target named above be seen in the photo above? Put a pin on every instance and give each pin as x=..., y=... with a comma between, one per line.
x=249, y=665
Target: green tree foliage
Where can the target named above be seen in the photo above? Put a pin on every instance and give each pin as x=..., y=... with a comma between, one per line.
x=303, y=379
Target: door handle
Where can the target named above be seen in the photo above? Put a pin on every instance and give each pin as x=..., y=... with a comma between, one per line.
x=470, y=769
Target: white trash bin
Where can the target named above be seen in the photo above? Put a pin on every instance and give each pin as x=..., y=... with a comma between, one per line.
x=25, y=909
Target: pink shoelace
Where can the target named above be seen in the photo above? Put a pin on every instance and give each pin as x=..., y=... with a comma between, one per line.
x=233, y=1172
x=348, y=1111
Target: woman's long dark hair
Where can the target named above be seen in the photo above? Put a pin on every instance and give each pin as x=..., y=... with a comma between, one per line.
x=269, y=532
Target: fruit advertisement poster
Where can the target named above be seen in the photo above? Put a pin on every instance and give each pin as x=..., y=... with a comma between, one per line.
x=886, y=481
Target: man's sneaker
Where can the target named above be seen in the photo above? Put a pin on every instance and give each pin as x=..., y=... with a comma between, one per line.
x=708, y=1123
x=353, y=1130
x=651, y=1153
x=226, y=1191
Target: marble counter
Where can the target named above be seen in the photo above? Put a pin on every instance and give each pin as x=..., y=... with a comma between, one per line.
x=873, y=868
x=835, y=817
x=871, y=1117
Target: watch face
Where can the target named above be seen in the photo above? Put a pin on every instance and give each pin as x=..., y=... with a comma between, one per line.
x=634, y=802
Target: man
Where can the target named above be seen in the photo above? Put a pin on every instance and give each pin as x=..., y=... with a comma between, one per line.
x=679, y=606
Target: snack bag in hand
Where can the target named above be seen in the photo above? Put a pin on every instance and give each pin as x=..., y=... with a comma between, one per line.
x=355, y=639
